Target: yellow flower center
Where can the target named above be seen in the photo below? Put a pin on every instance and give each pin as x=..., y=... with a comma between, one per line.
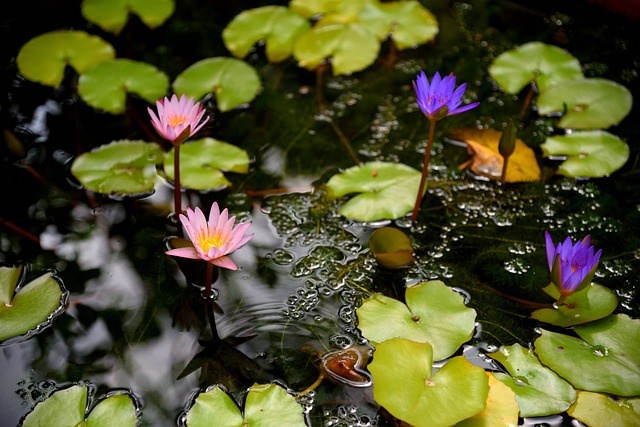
x=207, y=241
x=176, y=119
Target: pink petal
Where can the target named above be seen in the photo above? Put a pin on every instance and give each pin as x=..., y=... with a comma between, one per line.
x=224, y=217
x=214, y=214
x=199, y=221
x=224, y=262
x=188, y=252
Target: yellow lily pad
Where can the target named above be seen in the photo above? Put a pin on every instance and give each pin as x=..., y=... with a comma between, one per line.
x=487, y=161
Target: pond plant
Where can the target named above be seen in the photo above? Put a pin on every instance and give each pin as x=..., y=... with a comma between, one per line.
x=437, y=99
x=314, y=294
x=177, y=120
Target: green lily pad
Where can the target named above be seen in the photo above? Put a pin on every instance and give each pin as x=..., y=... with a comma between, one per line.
x=122, y=167
x=539, y=391
x=592, y=154
x=545, y=64
x=233, y=81
x=112, y=15
x=501, y=410
x=342, y=10
x=265, y=406
x=105, y=85
x=203, y=161
x=595, y=409
x=391, y=247
x=407, y=22
x=44, y=58
x=30, y=307
x=404, y=385
x=434, y=313
x=351, y=46
x=278, y=26
x=388, y=190
x=586, y=103
x=607, y=361
x=68, y=407
x=591, y=303
x=116, y=410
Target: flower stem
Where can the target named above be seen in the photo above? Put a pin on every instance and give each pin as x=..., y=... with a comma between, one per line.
x=503, y=175
x=345, y=142
x=425, y=170
x=177, y=196
x=208, y=281
x=211, y=315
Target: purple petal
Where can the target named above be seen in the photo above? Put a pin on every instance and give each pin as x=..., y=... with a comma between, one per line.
x=550, y=249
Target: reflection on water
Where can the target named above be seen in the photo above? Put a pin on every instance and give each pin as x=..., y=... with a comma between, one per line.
x=120, y=330
x=133, y=320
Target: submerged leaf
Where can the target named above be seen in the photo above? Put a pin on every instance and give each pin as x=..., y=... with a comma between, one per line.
x=203, y=162
x=592, y=103
x=544, y=64
x=483, y=144
x=44, y=58
x=233, y=81
x=121, y=167
x=278, y=26
x=391, y=247
x=388, y=190
x=105, y=86
x=593, y=154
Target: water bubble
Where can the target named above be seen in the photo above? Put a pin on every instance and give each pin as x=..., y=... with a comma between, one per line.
x=341, y=341
x=517, y=266
x=282, y=257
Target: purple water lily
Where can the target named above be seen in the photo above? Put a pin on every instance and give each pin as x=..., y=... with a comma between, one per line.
x=440, y=93
x=572, y=266
x=437, y=99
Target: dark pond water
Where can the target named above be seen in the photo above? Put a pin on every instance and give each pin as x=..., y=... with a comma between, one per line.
x=133, y=322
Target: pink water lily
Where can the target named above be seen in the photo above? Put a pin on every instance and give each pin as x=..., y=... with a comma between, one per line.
x=178, y=119
x=214, y=239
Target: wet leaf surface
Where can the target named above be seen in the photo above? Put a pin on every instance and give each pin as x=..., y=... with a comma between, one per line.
x=544, y=64
x=610, y=348
x=539, y=391
x=43, y=59
x=404, y=384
